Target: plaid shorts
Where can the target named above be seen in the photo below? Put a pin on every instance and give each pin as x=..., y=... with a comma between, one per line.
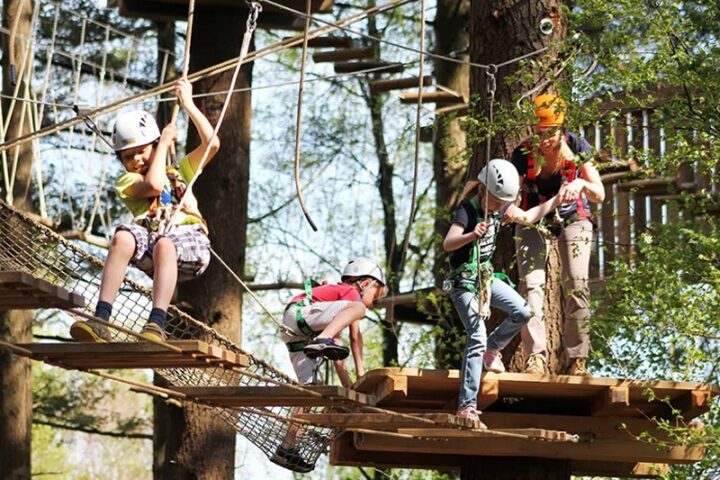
x=191, y=243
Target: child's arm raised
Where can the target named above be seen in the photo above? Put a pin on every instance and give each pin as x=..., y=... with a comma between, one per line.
x=535, y=214
x=183, y=90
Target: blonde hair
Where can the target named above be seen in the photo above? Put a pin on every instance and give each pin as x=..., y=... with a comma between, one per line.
x=471, y=189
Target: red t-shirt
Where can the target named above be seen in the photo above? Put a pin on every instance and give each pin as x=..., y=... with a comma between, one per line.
x=331, y=293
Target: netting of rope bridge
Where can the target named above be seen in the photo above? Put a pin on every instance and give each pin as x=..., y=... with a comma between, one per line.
x=36, y=250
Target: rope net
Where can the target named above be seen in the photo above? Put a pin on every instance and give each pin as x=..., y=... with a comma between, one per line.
x=32, y=248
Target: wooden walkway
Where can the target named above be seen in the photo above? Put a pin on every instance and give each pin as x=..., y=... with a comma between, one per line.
x=21, y=291
x=95, y=356
x=591, y=422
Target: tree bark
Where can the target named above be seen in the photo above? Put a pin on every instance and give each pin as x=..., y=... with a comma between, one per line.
x=16, y=325
x=196, y=443
x=501, y=31
x=450, y=157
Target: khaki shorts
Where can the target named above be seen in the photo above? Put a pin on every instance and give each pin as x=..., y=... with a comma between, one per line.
x=317, y=316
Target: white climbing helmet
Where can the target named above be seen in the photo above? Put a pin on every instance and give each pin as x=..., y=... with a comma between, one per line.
x=363, y=267
x=133, y=129
x=503, y=181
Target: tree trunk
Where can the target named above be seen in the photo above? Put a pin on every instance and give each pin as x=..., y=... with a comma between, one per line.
x=501, y=31
x=449, y=164
x=16, y=325
x=197, y=444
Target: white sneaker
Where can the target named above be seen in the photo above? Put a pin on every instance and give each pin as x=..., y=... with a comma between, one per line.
x=492, y=361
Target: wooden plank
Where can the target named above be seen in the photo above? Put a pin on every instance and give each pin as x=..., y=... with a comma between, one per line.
x=20, y=290
x=624, y=470
x=276, y=396
x=194, y=353
x=693, y=404
x=489, y=393
x=385, y=421
x=391, y=387
x=377, y=65
x=344, y=55
x=532, y=433
x=379, y=86
x=438, y=98
x=609, y=445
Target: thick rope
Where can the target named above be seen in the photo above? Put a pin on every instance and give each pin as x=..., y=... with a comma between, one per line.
x=298, y=121
x=418, y=116
x=251, y=24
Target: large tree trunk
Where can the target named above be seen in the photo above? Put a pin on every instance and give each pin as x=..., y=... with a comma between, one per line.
x=501, y=31
x=16, y=325
x=197, y=444
x=449, y=163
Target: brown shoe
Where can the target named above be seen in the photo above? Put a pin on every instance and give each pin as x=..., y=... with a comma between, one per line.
x=578, y=367
x=536, y=364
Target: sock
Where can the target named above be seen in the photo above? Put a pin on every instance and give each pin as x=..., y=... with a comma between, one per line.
x=158, y=315
x=103, y=310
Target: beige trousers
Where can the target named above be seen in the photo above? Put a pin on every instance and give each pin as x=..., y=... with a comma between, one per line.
x=575, y=245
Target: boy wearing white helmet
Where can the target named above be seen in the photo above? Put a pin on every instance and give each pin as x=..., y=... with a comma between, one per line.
x=150, y=190
x=485, y=204
x=316, y=319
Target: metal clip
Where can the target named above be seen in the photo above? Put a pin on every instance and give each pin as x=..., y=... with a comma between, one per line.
x=492, y=83
x=255, y=9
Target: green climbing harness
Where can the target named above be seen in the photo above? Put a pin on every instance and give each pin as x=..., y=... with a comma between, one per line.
x=300, y=319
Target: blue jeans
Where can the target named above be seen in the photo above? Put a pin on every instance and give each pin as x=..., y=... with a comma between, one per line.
x=503, y=297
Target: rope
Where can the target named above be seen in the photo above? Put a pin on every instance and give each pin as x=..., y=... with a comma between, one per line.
x=251, y=24
x=172, y=157
x=213, y=70
x=418, y=115
x=298, y=121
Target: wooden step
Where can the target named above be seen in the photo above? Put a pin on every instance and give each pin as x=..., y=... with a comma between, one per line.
x=387, y=421
x=344, y=55
x=379, y=86
x=382, y=67
x=19, y=290
x=276, y=396
x=90, y=356
x=438, y=98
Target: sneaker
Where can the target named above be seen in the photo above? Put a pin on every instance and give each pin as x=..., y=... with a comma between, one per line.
x=90, y=331
x=153, y=331
x=492, y=361
x=578, y=367
x=325, y=347
x=471, y=413
x=536, y=364
x=291, y=459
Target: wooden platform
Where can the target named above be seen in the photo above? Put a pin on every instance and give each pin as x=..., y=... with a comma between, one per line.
x=93, y=356
x=171, y=10
x=19, y=290
x=604, y=415
x=276, y=396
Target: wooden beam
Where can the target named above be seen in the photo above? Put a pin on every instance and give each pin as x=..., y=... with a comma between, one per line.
x=326, y=42
x=93, y=356
x=276, y=396
x=379, y=86
x=390, y=387
x=438, y=98
x=610, y=401
x=344, y=55
x=378, y=65
x=610, y=446
x=489, y=393
x=693, y=404
x=386, y=421
x=20, y=290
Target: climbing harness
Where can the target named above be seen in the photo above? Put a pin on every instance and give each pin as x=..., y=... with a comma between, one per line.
x=300, y=319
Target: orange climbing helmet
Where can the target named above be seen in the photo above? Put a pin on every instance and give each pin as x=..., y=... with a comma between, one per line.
x=550, y=110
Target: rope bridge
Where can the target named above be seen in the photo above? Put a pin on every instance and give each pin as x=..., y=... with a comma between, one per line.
x=32, y=248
